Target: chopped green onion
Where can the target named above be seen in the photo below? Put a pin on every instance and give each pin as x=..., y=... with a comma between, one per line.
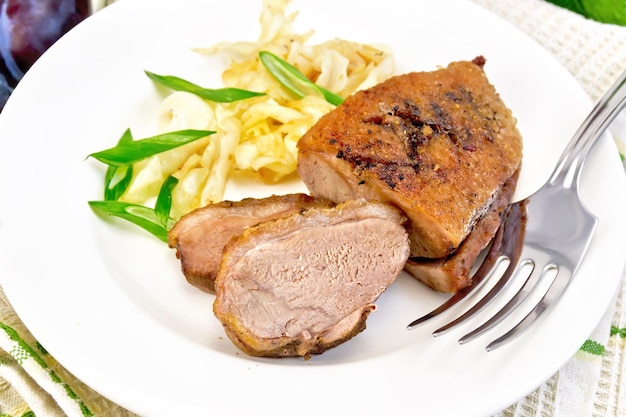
x=129, y=152
x=220, y=95
x=163, y=204
x=293, y=80
x=142, y=216
x=155, y=220
x=117, y=178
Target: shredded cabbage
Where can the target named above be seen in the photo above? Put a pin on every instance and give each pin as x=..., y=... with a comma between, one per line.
x=257, y=135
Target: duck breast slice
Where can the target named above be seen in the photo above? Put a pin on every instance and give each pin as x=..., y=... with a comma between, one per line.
x=306, y=283
x=199, y=236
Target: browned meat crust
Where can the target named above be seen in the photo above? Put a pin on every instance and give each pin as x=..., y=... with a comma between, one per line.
x=199, y=237
x=438, y=145
x=452, y=273
x=303, y=284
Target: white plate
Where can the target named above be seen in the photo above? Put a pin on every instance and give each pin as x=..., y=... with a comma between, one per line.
x=109, y=301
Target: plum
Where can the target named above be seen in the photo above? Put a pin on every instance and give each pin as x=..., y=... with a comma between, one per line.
x=27, y=29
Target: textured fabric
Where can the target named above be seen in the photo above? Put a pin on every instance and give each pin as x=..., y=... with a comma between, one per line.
x=33, y=383
x=593, y=52
x=591, y=384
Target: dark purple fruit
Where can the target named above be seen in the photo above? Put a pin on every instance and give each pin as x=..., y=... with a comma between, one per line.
x=27, y=29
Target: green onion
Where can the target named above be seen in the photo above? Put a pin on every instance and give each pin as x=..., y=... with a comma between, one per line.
x=293, y=80
x=156, y=221
x=117, y=178
x=142, y=216
x=129, y=152
x=163, y=204
x=220, y=95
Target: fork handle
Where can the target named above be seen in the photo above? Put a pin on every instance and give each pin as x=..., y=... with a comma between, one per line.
x=567, y=171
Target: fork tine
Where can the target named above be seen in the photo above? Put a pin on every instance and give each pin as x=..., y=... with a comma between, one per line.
x=557, y=288
x=519, y=297
x=486, y=269
x=495, y=290
x=510, y=231
x=512, y=238
x=461, y=294
x=566, y=265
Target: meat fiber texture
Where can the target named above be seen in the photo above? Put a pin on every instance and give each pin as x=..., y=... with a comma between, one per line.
x=199, y=236
x=303, y=284
x=438, y=145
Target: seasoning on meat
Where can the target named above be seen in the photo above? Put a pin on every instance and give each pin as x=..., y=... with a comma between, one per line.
x=438, y=145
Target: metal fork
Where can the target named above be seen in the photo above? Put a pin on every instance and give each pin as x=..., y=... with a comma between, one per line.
x=546, y=234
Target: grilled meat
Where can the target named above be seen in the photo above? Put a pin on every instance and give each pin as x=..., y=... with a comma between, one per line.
x=452, y=273
x=199, y=237
x=303, y=284
x=438, y=145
